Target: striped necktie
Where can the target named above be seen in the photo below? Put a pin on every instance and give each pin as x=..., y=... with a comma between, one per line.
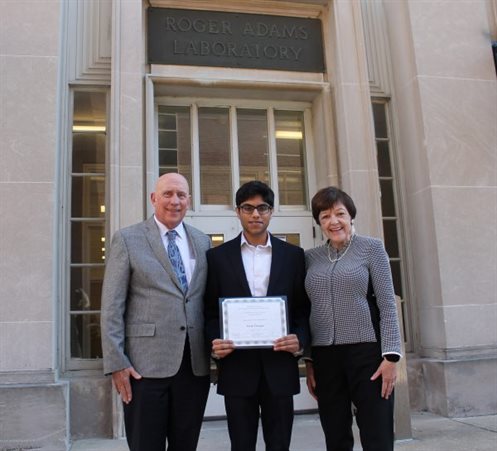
x=176, y=261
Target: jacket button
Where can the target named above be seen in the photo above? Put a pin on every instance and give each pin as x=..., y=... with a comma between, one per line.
x=182, y=328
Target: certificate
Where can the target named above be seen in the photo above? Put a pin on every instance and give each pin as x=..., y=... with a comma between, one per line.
x=253, y=322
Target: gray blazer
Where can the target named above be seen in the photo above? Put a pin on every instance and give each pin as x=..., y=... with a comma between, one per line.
x=145, y=315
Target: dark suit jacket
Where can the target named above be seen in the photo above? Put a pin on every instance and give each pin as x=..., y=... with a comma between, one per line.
x=241, y=371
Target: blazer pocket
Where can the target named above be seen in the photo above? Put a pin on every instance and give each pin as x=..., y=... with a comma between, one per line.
x=140, y=330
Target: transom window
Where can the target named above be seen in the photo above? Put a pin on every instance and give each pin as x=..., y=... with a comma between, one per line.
x=220, y=147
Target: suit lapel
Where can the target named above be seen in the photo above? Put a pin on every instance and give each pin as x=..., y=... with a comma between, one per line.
x=194, y=248
x=277, y=264
x=155, y=240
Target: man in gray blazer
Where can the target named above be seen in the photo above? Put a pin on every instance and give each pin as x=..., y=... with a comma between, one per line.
x=153, y=324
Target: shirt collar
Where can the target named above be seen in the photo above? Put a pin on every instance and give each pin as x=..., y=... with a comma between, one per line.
x=180, y=229
x=245, y=242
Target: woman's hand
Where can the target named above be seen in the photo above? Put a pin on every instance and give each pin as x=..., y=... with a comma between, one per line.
x=388, y=372
x=311, y=381
x=221, y=348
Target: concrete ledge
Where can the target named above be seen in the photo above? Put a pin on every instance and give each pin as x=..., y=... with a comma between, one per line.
x=27, y=377
x=442, y=386
x=34, y=417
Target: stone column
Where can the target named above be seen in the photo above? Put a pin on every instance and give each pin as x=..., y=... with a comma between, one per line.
x=347, y=69
x=445, y=99
x=33, y=403
x=127, y=144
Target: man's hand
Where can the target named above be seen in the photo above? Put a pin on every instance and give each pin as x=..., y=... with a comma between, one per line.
x=388, y=372
x=221, y=348
x=120, y=379
x=289, y=343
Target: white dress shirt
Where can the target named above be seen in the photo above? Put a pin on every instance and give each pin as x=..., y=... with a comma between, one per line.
x=257, y=264
x=183, y=244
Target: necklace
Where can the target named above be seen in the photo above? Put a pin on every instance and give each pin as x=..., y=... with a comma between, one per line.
x=334, y=260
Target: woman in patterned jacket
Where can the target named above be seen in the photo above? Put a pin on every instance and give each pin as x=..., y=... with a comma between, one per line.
x=348, y=363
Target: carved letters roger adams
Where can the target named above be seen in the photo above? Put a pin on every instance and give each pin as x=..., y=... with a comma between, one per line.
x=252, y=29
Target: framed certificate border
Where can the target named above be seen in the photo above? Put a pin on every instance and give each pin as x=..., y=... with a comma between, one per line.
x=248, y=330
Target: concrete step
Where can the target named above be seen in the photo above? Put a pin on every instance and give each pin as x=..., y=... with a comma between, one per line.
x=430, y=433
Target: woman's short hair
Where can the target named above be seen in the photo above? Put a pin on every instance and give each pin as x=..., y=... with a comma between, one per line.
x=326, y=198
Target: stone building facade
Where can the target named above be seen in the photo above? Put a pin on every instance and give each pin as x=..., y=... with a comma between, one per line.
x=397, y=104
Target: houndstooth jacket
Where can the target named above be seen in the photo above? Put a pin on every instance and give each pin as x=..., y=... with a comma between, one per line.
x=339, y=308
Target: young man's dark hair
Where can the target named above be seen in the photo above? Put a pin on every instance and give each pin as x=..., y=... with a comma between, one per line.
x=252, y=189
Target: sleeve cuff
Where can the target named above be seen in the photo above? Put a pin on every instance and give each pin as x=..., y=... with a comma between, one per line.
x=299, y=353
x=392, y=357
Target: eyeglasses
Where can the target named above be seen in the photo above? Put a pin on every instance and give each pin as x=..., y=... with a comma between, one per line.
x=262, y=209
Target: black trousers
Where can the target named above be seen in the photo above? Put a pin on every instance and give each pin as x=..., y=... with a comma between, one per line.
x=276, y=414
x=170, y=408
x=343, y=375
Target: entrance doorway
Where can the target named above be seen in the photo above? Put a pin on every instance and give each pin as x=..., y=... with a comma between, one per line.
x=219, y=144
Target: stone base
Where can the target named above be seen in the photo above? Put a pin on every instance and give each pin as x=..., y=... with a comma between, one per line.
x=91, y=407
x=34, y=417
x=453, y=388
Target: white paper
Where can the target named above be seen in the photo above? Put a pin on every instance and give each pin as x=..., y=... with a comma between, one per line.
x=254, y=322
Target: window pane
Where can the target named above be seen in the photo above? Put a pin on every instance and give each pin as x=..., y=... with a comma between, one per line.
x=387, y=198
x=88, y=196
x=86, y=242
x=86, y=287
x=253, y=145
x=290, y=157
x=88, y=152
x=90, y=111
x=391, y=239
x=380, y=120
x=215, y=161
x=167, y=140
x=168, y=158
x=85, y=336
x=216, y=239
x=292, y=238
x=175, y=150
x=384, y=167
x=167, y=118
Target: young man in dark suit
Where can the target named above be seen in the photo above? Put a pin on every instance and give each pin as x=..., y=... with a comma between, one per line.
x=258, y=382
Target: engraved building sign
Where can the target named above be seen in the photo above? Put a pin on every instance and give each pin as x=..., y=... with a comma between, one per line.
x=255, y=41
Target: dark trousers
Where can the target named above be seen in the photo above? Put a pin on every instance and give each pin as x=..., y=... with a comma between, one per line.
x=276, y=414
x=170, y=408
x=343, y=375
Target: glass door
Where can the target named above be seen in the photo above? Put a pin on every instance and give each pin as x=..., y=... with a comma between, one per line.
x=220, y=144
